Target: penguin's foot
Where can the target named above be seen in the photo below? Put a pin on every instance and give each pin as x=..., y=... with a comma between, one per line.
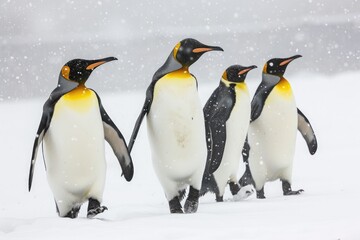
x=191, y=206
x=175, y=206
x=234, y=188
x=286, y=186
x=73, y=213
x=176, y=211
x=294, y=192
x=219, y=198
x=93, y=212
x=94, y=208
x=192, y=201
x=260, y=194
x=244, y=193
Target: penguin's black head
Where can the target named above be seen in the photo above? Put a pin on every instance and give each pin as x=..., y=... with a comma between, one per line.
x=79, y=70
x=237, y=73
x=190, y=50
x=277, y=66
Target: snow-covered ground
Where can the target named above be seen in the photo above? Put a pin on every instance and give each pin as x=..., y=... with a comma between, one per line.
x=328, y=209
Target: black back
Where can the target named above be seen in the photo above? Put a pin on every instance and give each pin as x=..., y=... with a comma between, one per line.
x=217, y=111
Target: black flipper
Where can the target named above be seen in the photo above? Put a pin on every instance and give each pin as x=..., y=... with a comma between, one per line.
x=307, y=132
x=262, y=92
x=117, y=142
x=64, y=86
x=169, y=66
x=145, y=109
x=216, y=112
x=43, y=126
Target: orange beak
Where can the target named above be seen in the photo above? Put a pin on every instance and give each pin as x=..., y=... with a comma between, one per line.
x=247, y=69
x=288, y=60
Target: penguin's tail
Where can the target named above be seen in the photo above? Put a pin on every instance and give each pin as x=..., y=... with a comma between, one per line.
x=246, y=178
x=208, y=184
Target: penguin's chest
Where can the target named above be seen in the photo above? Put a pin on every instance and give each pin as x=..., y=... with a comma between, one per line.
x=273, y=135
x=238, y=121
x=236, y=130
x=237, y=124
x=175, y=122
x=74, y=142
x=279, y=115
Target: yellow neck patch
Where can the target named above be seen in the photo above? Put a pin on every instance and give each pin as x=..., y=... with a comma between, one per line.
x=179, y=74
x=80, y=99
x=238, y=86
x=175, y=82
x=284, y=87
x=78, y=93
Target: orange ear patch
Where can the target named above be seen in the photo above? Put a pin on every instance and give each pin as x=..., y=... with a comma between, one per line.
x=265, y=68
x=176, y=49
x=224, y=76
x=65, y=71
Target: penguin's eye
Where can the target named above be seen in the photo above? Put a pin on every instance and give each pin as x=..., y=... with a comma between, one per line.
x=271, y=64
x=65, y=71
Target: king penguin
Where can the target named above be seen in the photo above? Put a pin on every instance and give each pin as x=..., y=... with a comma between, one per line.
x=175, y=123
x=73, y=127
x=227, y=117
x=275, y=118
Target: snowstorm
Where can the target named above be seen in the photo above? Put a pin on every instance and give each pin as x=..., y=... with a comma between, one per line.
x=38, y=37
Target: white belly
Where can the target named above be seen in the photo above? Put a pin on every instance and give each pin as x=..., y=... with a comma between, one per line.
x=272, y=139
x=236, y=130
x=176, y=133
x=74, y=151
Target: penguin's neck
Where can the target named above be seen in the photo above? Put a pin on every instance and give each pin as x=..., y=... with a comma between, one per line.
x=284, y=87
x=80, y=92
x=237, y=85
x=179, y=74
x=81, y=99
